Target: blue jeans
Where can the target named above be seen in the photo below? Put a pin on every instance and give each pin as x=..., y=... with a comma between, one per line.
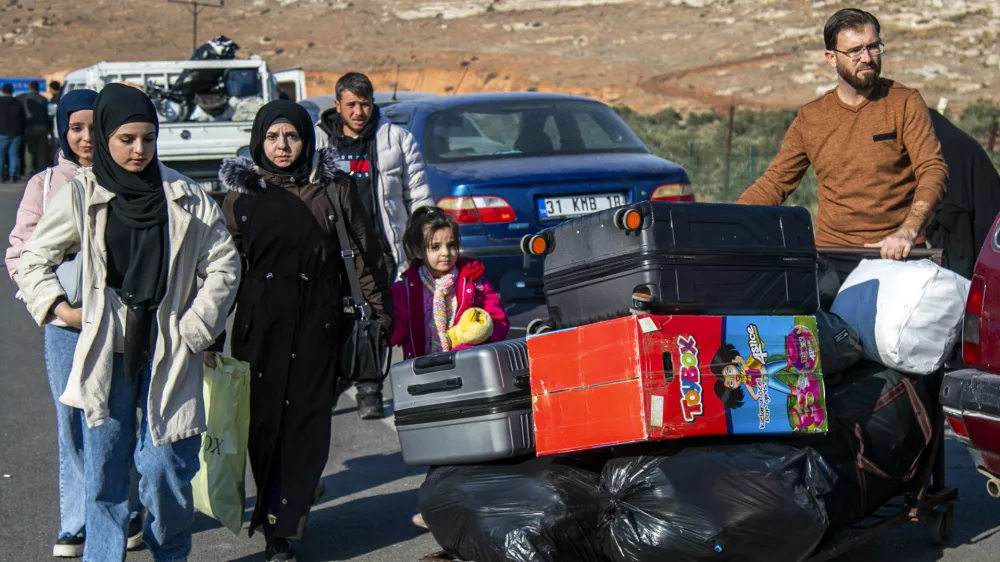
x=60, y=344
x=164, y=486
x=10, y=150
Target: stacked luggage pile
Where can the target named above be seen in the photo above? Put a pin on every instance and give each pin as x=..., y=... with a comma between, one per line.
x=689, y=400
x=212, y=94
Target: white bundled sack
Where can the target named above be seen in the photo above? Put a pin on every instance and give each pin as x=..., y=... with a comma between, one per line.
x=908, y=314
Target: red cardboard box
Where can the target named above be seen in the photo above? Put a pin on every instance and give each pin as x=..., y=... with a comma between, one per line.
x=647, y=378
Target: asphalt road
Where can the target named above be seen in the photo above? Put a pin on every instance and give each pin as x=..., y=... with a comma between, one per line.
x=371, y=494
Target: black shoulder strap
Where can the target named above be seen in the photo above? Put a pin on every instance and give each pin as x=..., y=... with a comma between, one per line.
x=360, y=305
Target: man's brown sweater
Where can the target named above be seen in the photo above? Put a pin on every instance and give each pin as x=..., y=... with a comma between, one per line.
x=872, y=161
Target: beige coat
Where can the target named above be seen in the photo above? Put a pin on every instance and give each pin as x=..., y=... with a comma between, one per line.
x=204, y=273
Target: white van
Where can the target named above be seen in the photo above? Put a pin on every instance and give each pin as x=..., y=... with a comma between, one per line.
x=196, y=148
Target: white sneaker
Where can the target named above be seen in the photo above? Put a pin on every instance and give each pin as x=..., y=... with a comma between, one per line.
x=134, y=533
x=68, y=547
x=418, y=520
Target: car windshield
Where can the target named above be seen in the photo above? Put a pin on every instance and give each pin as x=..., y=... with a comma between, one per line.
x=548, y=128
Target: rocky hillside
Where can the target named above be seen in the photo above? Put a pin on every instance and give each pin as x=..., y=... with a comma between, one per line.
x=648, y=54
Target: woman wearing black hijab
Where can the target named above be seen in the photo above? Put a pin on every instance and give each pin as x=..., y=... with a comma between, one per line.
x=159, y=273
x=289, y=308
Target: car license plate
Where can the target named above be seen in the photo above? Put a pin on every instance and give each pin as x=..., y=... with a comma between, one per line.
x=550, y=208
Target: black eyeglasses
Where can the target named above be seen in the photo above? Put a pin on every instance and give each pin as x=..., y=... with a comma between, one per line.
x=856, y=53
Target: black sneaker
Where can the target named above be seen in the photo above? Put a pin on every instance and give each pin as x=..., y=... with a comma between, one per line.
x=134, y=533
x=68, y=547
x=279, y=549
x=370, y=406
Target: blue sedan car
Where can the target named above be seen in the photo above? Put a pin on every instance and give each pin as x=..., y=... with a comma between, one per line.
x=509, y=164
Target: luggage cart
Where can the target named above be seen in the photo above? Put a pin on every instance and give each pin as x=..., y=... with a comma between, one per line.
x=929, y=501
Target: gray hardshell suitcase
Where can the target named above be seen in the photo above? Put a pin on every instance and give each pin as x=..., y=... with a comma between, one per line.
x=466, y=406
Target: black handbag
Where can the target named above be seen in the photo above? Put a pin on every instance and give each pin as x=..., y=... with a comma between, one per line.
x=364, y=353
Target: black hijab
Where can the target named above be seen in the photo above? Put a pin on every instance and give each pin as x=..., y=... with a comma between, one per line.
x=283, y=111
x=136, y=233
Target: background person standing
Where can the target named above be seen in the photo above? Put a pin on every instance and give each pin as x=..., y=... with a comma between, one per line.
x=12, y=122
x=36, y=130
x=385, y=161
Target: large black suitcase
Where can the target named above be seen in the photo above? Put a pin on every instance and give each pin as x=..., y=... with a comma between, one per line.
x=701, y=258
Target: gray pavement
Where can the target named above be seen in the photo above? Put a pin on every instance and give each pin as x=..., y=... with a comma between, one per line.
x=371, y=494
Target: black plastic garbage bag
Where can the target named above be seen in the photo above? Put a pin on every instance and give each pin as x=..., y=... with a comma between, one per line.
x=541, y=509
x=839, y=345
x=757, y=502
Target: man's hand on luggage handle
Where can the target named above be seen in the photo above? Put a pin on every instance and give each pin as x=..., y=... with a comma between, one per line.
x=896, y=246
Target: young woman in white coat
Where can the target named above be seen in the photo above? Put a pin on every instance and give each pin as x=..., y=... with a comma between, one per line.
x=159, y=275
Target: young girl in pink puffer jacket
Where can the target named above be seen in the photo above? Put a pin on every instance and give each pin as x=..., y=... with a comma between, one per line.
x=439, y=289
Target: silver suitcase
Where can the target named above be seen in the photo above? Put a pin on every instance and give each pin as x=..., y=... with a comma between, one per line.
x=467, y=406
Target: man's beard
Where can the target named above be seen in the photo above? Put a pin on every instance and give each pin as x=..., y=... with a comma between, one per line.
x=861, y=83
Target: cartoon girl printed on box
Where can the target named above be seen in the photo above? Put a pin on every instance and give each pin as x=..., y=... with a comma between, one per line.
x=737, y=376
x=734, y=374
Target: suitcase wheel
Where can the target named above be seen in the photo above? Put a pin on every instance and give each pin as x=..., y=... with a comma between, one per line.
x=536, y=244
x=525, y=241
x=538, y=326
x=644, y=297
x=628, y=219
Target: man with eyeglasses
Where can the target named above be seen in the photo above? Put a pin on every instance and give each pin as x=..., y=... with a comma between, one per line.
x=871, y=142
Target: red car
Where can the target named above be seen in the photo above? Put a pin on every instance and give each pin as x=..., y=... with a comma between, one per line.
x=971, y=396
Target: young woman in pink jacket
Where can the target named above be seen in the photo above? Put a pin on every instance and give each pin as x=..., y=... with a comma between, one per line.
x=438, y=291
x=74, y=122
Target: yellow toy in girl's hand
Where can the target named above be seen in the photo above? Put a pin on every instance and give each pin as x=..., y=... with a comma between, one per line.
x=473, y=328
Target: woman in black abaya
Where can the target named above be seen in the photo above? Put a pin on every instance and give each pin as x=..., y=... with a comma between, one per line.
x=289, y=308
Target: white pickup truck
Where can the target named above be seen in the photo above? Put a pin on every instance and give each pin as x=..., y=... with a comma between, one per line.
x=194, y=148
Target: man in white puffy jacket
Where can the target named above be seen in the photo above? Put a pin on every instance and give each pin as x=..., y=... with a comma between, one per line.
x=387, y=166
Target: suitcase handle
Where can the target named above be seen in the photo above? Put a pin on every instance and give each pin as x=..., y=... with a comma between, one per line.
x=933, y=254
x=431, y=387
x=433, y=363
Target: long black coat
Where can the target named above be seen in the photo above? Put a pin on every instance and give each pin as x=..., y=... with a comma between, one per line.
x=288, y=315
x=964, y=219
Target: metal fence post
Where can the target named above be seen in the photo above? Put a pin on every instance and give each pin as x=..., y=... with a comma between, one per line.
x=729, y=151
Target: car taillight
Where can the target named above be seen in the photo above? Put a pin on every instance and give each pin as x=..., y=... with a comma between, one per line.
x=957, y=424
x=485, y=209
x=971, y=350
x=983, y=431
x=673, y=192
